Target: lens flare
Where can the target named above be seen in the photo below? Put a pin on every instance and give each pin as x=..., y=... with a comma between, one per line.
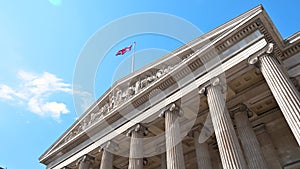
x=55, y=2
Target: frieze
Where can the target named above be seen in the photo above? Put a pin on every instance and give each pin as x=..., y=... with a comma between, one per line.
x=238, y=36
x=292, y=50
x=116, y=99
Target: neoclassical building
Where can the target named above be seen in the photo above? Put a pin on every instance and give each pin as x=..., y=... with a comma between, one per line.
x=228, y=99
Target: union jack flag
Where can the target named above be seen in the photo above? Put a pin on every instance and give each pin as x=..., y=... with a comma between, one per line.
x=124, y=50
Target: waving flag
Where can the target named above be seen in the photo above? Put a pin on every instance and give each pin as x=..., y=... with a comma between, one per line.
x=124, y=50
x=127, y=49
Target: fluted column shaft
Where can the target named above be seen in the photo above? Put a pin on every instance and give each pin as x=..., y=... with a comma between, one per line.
x=216, y=160
x=202, y=153
x=106, y=160
x=250, y=144
x=284, y=92
x=174, y=151
x=136, y=148
x=163, y=161
x=85, y=162
x=230, y=151
x=84, y=165
x=268, y=148
x=107, y=155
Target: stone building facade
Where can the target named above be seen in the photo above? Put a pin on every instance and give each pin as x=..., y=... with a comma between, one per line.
x=228, y=99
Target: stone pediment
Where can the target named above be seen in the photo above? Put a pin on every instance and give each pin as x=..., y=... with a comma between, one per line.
x=134, y=88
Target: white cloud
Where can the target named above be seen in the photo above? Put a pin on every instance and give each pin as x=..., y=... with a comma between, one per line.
x=26, y=75
x=55, y=108
x=35, y=90
x=47, y=82
x=6, y=92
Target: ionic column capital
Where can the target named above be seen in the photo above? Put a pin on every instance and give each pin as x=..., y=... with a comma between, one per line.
x=85, y=159
x=268, y=49
x=110, y=146
x=195, y=131
x=172, y=108
x=139, y=128
x=214, y=82
x=202, y=132
x=240, y=108
x=261, y=128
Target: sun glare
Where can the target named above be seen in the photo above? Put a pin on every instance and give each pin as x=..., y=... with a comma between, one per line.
x=55, y=2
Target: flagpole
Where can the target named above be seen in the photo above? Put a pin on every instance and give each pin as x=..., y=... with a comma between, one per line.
x=132, y=59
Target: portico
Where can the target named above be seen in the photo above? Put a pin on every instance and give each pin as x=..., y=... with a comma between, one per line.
x=230, y=100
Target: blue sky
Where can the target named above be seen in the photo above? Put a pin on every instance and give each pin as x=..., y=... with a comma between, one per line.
x=41, y=41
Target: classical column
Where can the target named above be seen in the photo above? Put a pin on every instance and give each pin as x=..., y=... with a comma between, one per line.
x=136, y=147
x=215, y=159
x=282, y=88
x=163, y=164
x=161, y=149
x=214, y=153
x=85, y=162
x=268, y=148
x=202, y=152
x=174, y=151
x=107, y=156
x=229, y=148
x=250, y=144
